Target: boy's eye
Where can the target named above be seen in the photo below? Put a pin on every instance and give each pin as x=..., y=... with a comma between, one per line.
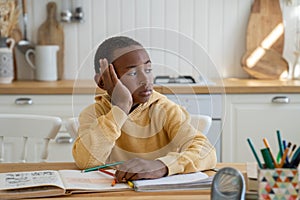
x=149, y=70
x=132, y=73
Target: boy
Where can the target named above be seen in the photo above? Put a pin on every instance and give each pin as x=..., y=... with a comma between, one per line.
x=134, y=123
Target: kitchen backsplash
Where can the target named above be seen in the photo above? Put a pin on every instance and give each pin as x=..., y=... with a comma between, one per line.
x=184, y=37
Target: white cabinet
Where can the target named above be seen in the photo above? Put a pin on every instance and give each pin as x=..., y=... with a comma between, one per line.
x=258, y=116
x=64, y=106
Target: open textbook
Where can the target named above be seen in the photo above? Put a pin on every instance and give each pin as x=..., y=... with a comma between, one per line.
x=16, y=185
x=54, y=183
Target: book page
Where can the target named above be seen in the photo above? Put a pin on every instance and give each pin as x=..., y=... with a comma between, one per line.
x=191, y=181
x=179, y=179
x=90, y=181
x=17, y=180
x=252, y=170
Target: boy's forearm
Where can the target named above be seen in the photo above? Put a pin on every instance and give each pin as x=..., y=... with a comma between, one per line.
x=86, y=154
x=97, y=138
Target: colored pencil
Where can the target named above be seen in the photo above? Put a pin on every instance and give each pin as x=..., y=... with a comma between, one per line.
x=130, y=184
x=102, y=166
x=255, y=154
x=115, y=180
x=283, y=158
x=113, y=183
x=107, y=172
x=287, y=156
x=267, y=158
x=280, y=145
x=292, y=151
x=269, y=149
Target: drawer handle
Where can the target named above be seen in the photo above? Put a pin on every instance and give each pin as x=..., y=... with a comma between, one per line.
x=280, y=99
x=64, y=140
x=23, y=101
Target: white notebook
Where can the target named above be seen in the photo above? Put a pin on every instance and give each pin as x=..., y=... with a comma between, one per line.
x=197, y=180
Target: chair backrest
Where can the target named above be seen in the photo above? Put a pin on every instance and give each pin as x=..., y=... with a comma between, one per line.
x=25, y=138
x=72, y=125
x=201, y=123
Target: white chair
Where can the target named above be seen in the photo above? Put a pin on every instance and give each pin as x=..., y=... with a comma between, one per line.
x=201, y=123
x=72, y=124
x=25, y=138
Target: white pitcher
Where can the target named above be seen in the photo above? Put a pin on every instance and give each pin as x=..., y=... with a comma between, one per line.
x=45, y=57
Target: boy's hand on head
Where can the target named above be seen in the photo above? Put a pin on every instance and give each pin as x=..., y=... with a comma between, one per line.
x=109, y=81
x=138, y=168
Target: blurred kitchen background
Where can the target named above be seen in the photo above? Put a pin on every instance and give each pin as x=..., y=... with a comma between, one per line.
x=186, y=26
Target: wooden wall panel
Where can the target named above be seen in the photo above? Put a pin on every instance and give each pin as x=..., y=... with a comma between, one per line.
x=209, y=34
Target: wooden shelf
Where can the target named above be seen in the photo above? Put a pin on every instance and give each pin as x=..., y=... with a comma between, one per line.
x=225, y=86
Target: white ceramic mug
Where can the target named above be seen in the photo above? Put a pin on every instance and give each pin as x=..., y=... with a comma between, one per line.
x=45, y=57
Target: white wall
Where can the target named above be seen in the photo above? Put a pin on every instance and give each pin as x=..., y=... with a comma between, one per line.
x=176, y=31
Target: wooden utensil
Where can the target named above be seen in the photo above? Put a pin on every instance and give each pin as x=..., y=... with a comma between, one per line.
x=265, y=64
x=265, y=41
x=17, y=35
x=51, y=33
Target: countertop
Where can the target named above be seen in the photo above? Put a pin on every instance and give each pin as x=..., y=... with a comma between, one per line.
x=228, y=86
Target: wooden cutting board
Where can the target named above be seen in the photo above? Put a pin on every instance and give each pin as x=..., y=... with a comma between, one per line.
x=264, y=18
x=271, y=65
x=265, y=31
x=51, y=33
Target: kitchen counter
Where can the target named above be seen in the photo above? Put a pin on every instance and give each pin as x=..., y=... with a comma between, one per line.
x=229, y=86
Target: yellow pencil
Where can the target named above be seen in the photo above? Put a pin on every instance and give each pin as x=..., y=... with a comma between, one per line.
x=269, y=149
x=130, y=184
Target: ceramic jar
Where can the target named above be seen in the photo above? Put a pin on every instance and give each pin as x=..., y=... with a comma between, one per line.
x=6, y=60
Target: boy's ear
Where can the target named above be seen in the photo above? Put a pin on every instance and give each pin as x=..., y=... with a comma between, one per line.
x=99, y=81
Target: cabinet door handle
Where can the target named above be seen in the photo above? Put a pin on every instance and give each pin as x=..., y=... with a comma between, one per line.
x=281, y=99
x=23, y=101
x=64, y=140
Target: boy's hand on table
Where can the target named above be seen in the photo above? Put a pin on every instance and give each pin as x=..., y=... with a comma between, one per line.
x=109, y=81
x=137, y=168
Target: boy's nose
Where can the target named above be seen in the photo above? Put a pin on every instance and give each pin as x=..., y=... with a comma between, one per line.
x=144, y=79
x=145, y=82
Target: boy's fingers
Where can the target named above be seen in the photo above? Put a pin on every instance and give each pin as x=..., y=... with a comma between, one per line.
x=105, y=73
x=113, y=75
x=103, y=65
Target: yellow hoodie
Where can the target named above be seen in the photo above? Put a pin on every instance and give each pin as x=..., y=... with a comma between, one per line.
x=158, y=129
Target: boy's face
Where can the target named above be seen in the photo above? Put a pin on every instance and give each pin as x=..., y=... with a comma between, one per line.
x=133, y=68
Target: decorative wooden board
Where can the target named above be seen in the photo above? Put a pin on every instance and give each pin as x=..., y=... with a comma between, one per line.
x=265, y=31
x=269, y=65
x=51, y=33
x=265, y=22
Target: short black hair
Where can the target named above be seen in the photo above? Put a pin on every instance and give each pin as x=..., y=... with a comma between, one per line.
x=107, y=48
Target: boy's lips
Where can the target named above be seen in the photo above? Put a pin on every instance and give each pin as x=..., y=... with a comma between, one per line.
x=146, y=93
